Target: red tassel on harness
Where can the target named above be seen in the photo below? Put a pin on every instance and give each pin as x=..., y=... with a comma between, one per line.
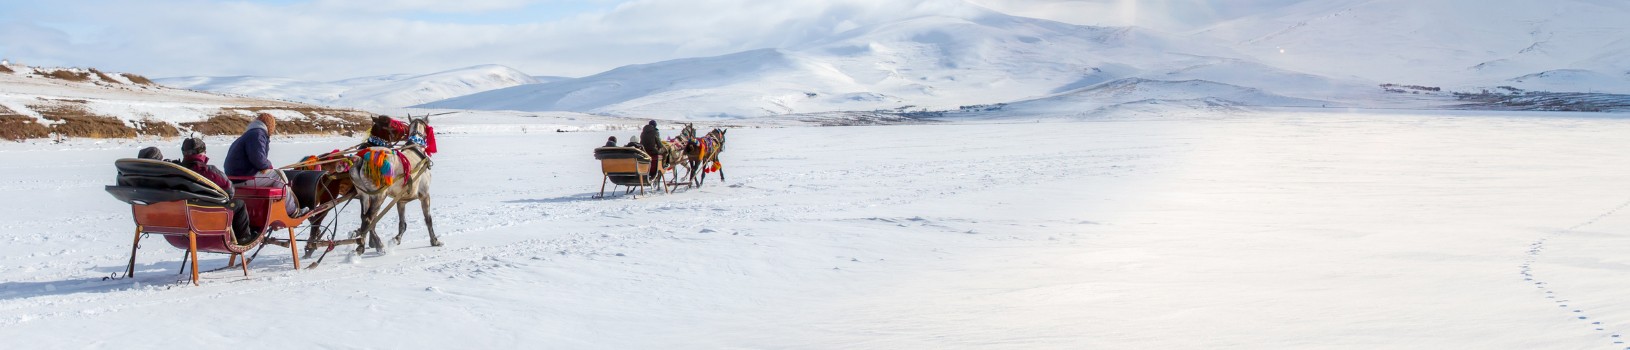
x=429, y=139
x=407, y=168
x=398, y=127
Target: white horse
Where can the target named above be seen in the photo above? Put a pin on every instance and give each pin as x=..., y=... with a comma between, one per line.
x=387, y=177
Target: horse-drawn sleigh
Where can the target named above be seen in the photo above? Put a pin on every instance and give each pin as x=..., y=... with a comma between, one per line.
x=632, y=167
x=195, y=214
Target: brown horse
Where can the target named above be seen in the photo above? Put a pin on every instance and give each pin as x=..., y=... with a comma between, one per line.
x=703, y=155
x=335, y=185
x=388, y=129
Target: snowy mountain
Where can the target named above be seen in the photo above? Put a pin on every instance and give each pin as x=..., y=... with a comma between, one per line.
x=397, y=90
x=939, y=61
x=956, y=54
x=38, y=102
x=1563, y=45
x=264, y=87
x=1336, y=52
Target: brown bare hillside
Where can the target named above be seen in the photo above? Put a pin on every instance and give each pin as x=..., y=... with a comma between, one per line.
x=95, y=104
x=4, y=69
x=222, y=123
x=102, y=76
x=232, y=121
x=156, y=128
x=72, y=119
x=69, y=75
x=138, y=79
x=15, y=126
x=321, y=120
x=75, y=121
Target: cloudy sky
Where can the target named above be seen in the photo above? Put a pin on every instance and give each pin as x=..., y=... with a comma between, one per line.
x=335, y=39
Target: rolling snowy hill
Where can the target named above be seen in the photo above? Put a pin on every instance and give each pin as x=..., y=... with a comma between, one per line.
x=1449, y=43
x=968, y=56
x=397, y=90
x=958, y=54
x=73, y=102
x=1337, y=52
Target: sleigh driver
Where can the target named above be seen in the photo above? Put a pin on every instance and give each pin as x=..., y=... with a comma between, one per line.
x=248, y=158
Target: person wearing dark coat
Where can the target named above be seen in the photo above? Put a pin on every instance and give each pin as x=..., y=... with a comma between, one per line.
x=611, y=141
x=194, y=158
x=248, y=157
x=650, y=138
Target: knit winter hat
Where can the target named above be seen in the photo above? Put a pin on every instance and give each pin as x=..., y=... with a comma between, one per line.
x=150, y=153
x=192, y=146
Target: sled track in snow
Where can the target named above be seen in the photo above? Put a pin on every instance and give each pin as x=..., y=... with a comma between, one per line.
x=1578, y=312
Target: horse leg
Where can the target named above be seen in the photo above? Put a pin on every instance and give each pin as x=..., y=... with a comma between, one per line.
x=673, y=178
x=401, y=222
x=690, y=175
x=374, y=209
x=702, y=179
x=373, y=234
x=316, y=233
x=424, y=205
x=367, y=211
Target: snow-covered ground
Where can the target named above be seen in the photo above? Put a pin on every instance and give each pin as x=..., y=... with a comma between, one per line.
x=1280, y=229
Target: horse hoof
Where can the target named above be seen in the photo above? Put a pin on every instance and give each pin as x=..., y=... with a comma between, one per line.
x=435, y=243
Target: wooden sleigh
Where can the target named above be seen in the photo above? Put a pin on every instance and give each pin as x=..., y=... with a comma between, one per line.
x=194, y=214
x=626, y=166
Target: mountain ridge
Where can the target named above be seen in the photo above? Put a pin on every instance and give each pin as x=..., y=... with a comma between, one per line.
x=382, y=91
